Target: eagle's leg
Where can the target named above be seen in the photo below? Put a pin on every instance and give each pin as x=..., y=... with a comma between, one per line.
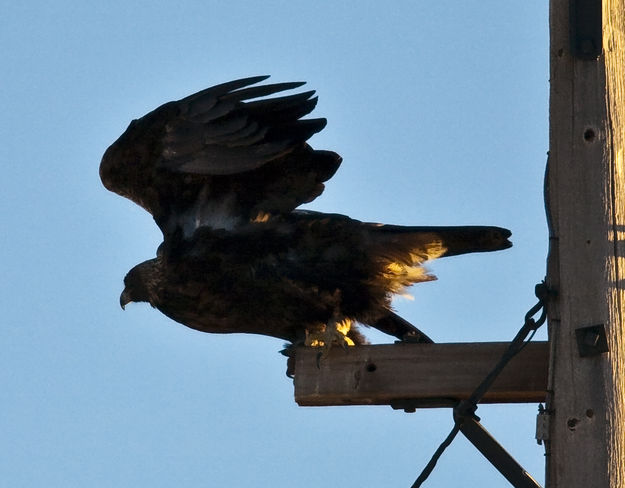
x=333, y=332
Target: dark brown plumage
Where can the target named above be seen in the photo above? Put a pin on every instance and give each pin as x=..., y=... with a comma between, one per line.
x=222, y=177
x=212, y=159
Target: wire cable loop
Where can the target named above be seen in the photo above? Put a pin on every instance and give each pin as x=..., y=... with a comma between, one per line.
x=467, y=408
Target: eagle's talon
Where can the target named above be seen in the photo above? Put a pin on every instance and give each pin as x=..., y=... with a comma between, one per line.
x=334, y=332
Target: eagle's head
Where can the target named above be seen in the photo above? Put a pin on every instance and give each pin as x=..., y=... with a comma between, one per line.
x=140, y=283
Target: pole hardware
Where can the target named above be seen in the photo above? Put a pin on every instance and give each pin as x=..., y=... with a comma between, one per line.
x=591, y=340
x=586, y=29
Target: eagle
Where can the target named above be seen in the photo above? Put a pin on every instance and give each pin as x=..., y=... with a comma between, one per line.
x=223, y=172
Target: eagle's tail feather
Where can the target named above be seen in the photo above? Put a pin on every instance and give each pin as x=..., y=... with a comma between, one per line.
x=453, y=240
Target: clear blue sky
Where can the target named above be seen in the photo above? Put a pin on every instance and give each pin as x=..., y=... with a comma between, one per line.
x=439, y=110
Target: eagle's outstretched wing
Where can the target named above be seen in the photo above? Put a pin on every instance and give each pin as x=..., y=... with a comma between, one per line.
x=217, y=159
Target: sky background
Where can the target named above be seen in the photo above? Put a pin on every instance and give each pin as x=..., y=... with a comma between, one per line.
x=439, y=110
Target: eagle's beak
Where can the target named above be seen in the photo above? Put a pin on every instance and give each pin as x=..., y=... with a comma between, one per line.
x=124, y=299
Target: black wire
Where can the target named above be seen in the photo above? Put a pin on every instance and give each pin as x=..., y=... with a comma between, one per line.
x=529, y=339
x=439, y=452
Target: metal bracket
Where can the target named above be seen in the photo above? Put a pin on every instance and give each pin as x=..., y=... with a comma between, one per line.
x=542, y=425
x=591, y=340
x=496, y=454
x=410, y=405
x=586, y=29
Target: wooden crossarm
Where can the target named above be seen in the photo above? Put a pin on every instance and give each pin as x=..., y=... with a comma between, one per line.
x=431, y=375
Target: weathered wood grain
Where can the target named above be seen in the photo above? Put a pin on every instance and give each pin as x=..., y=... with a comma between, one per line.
x=433, y=374
x=586, y=202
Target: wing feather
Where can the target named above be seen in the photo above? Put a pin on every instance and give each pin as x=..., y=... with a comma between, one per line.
x=261, y=91
x=226, y=143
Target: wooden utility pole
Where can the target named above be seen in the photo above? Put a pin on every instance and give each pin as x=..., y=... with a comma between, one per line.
x=586, y=266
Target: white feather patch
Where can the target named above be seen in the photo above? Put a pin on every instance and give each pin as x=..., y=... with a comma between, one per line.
x=210, y=213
